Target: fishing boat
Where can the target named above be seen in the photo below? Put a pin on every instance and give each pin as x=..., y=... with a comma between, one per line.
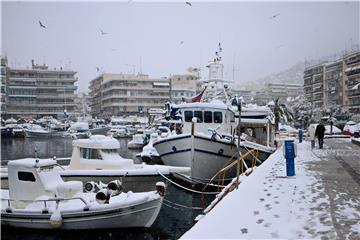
x=119, y=127
x=39, y=199
x=82, y=130
x=208, y=141
x=140, y=139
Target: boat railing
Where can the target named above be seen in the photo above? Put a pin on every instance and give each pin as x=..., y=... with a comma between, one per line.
x=45, y=201
x=221, y=174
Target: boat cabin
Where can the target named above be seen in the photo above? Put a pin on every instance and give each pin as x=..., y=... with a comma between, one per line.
x=96, y=153
x=31, y=179
x=213, y=115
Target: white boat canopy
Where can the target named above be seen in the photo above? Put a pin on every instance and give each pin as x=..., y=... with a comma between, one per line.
x=97, y=142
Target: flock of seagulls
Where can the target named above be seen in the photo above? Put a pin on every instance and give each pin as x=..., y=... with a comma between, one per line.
x=181, y=42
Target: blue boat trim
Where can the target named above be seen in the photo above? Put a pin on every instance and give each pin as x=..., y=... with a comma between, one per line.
x=170, y=140
x=173, y=152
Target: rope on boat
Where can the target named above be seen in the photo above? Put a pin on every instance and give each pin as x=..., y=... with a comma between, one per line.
x=185, y=188
x=183, y=206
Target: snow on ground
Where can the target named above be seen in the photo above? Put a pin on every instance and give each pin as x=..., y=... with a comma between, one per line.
x=270, y=205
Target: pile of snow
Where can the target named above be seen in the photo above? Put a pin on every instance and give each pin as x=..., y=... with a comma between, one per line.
x=287, y=128
x=269, y=205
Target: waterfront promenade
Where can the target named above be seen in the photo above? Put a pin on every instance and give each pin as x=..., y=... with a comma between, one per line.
x=322, y=201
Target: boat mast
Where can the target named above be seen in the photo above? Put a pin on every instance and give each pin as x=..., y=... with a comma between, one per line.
x=216, y=77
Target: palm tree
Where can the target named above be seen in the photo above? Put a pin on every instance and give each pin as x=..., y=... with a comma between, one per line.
x=281, y=112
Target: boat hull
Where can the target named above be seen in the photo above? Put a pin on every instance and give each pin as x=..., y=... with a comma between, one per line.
x=207, y=156
x=140, y=215
x=45, y=134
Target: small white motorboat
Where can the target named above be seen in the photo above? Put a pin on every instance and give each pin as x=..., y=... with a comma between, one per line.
x=149, y=153
x=39, y=199
x=97, y=159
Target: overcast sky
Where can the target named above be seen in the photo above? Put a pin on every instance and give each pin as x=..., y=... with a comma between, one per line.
x=257, y=38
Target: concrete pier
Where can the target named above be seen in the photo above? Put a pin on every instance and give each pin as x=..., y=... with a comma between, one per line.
x=321, y=201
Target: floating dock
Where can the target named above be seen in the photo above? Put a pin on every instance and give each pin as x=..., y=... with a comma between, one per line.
x=321, y=201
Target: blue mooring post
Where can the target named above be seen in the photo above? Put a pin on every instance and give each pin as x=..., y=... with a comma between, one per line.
x=300, y=135
x=290, y=157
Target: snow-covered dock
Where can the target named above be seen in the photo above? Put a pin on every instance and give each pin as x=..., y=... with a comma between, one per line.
x=321, y=201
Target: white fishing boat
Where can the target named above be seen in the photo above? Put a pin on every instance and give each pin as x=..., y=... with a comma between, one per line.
x=39, y=199
x=119, y=127
x=149, y=153
x=140, y=139
x=209, y=140
x=97, y=159
x=82, y=130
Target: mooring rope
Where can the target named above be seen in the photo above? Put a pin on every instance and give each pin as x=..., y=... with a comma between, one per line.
x=185, y=188
x=183, y=206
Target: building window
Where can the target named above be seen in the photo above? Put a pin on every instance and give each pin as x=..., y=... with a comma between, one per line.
x=208, y=117
x=188, y=116
x=218, y=117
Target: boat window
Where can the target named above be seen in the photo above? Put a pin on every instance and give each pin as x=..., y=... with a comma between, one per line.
x=88, y=153
x=199, y=116
x=109, y=151
x=188, y=116
x=26, y=176
x=218, y=117
x=208, y=117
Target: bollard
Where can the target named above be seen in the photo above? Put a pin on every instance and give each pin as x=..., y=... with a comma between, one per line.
x=300, y=135
x=289, y=152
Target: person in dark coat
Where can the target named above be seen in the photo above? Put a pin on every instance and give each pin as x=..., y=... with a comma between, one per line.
x=319, y=133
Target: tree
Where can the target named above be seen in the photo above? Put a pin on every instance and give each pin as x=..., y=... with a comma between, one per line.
x=281, y=112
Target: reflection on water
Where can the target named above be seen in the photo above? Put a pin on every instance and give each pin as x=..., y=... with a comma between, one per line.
x=171, y=223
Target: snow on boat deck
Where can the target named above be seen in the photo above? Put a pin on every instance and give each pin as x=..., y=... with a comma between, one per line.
x=269, y=205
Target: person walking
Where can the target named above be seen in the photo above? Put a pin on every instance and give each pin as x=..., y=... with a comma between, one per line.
x=319, y=133
x=311, y=132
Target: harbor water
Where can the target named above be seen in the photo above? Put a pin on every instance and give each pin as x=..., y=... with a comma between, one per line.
x=172, y=222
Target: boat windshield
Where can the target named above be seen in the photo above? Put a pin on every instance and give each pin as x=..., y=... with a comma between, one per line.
x=88, y=153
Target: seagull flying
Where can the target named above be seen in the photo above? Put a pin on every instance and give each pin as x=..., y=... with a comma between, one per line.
x=102, y=32
x=274, y=16
x=42, y=25
x=279, y=46
x=189, y=3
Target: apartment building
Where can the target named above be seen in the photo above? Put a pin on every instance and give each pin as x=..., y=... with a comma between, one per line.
x=273, y=91
x=352, y=81
x=313, y=84
x=3, y=69
x=246, y=95
x=39, y=91
x=120, y=94
x=334, y=83
x=184, y=85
